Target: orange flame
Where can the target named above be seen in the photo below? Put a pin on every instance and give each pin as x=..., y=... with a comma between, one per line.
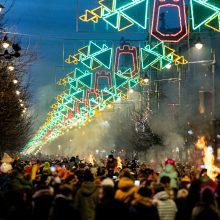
x=208, y=158
x=119, y=163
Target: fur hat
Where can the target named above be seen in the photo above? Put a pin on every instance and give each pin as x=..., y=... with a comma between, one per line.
x=5, y=167
x=107, y=182
x=185, y=179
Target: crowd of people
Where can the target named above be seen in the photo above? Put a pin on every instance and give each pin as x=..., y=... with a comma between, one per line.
x=56, y=189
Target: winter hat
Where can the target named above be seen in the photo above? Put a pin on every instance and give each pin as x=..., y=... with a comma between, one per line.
x=5, y=167
x=182, y=193
x=185, y=179
x=6, y=159
x=170, y=161
x=27, y=169
x=107, y=182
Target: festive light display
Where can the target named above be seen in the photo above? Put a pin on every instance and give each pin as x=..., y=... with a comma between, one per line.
x=92, y=56
x=119, y=14
x=126, y=50
x=205, y=12
x=214, y=23
x=177, y=10
x=88, y=91
x=159, y=56
x=168, y=19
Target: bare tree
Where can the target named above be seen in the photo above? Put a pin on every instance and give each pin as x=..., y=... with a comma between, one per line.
x=15, y=118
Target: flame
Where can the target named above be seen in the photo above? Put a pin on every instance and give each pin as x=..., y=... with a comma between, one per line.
x=208, y=158
x=119, y=163
x=91, y=159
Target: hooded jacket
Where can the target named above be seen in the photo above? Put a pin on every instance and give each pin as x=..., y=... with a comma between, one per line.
x=166, y=207
x=86, y=200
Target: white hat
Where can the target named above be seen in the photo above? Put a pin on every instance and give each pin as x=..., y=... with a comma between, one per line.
x=108, y=182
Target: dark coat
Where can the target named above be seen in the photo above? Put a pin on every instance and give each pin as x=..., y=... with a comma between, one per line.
x=86, y=200
x=143, y=209
x=111, y=209
x=63, y=209
x=203, y=211
x=183, y=209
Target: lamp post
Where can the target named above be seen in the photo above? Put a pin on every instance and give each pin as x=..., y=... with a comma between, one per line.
x=212, y=62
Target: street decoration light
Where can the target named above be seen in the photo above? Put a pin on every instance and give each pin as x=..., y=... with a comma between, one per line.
x=168, y=66
x=84, y=97
x=199, y=44
x=11, y=67
x=146, y=80
x=10, y=49
x=17, y=92
x=90, y=91
x=15, y=81
x=1, y=8
x=5, y=42
x=131, y=91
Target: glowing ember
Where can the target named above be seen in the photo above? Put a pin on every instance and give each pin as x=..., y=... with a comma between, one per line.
x=208, y=158
x=119, y=162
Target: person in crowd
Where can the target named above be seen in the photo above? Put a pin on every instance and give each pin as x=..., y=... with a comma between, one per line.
x=109, y=208
x=165, y=181
x=183, y=210
x=185, y=182
x=42, y=204
x=206, y=208
x=206, y=180
x=194, y=194
x=86, y=198
x=111, y=165
x=46, y=168
x=170, y=172
x=18, y=204
x=166, y=207
x=142, y=206
x=126, y=188
x=63, y=205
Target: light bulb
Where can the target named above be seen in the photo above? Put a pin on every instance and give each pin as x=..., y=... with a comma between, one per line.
x=5, y=45
x=131, y=91
x=168, y=66
x=15, y=81
x=18, y=92
x=199, y=45
x=146, y=80
x=11, y=68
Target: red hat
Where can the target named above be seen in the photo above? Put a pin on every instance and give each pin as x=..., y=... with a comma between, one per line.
x=170, y=161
